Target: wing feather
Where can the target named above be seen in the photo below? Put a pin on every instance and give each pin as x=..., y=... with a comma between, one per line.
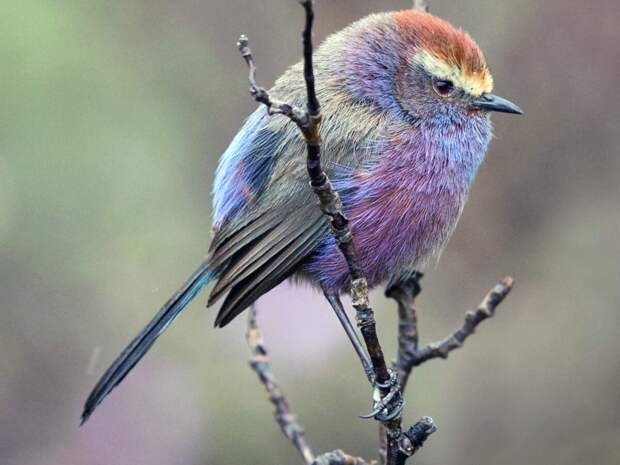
x=260, y=251
x=276, y=269
x=229, y=240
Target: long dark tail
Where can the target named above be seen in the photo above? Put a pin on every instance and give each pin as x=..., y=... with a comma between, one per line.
x=145, y=339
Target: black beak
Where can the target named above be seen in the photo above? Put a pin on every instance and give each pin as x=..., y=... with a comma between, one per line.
x=490, y=102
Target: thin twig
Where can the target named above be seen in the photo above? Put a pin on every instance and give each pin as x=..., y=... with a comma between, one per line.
x=261, y=364
x=410, y=354
x=405, y=291
x=485, y=310
x=260, y=94
x=411, y=440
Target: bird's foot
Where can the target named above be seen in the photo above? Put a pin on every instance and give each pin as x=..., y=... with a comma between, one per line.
x=386, y=406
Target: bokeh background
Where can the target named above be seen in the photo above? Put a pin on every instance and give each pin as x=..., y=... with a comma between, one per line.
x=112, y=118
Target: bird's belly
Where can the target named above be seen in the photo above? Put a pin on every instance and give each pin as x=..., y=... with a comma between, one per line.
x=403, y=209
x=391, y=234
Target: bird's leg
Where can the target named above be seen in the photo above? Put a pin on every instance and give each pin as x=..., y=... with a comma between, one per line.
x=387, y=399
x=336, y=304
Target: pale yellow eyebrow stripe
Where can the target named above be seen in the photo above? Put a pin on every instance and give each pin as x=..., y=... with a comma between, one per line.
x=435, y=66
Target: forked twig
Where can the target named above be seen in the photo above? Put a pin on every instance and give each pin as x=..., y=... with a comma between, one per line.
x=410, y=354
x=485, y=310
x=405, y=291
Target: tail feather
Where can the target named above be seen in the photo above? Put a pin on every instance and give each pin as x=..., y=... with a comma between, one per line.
x=145, y=339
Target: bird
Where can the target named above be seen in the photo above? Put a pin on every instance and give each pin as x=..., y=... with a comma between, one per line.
x=406, y=102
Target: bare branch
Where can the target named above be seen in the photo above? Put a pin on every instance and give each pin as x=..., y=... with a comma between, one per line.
x=331, y=206
x=411, y=440
x=314, y=107
x=329, y=202
x=274, y=107
x=405, y=291
x=261, y=364
x=485, y=310
x=409, y=353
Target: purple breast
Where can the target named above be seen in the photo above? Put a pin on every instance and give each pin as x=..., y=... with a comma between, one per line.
x=404, y=208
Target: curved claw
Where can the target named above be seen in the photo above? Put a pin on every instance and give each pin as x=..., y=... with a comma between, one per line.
x=388, y=415
x=389, y=406
x=377, y=410
x=380, y=405
x=388, y=384
x=393, y=414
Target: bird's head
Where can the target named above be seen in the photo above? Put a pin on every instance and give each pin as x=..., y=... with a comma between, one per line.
x=417, y=65
x=442, y=70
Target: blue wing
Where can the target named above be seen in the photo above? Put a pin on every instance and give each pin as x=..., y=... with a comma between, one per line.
x=261, y=234
x=245, y=167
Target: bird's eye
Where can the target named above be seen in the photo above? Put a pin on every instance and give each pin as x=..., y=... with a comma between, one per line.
x=443, y=87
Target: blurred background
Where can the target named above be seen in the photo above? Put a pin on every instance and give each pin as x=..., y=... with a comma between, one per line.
x=112, y=120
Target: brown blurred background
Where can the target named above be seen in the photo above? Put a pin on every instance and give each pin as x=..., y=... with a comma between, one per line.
x=112, y=119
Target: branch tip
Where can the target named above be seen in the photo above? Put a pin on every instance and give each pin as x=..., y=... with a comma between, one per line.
x=417, y=435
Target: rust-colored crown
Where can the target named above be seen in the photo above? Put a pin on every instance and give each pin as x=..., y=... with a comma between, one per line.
x=445, y=51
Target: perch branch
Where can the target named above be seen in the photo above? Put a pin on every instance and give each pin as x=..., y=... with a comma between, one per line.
x=405, y=291
x=388, y=400
x=329, y=201
x=410, y=355
x=261, y=364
